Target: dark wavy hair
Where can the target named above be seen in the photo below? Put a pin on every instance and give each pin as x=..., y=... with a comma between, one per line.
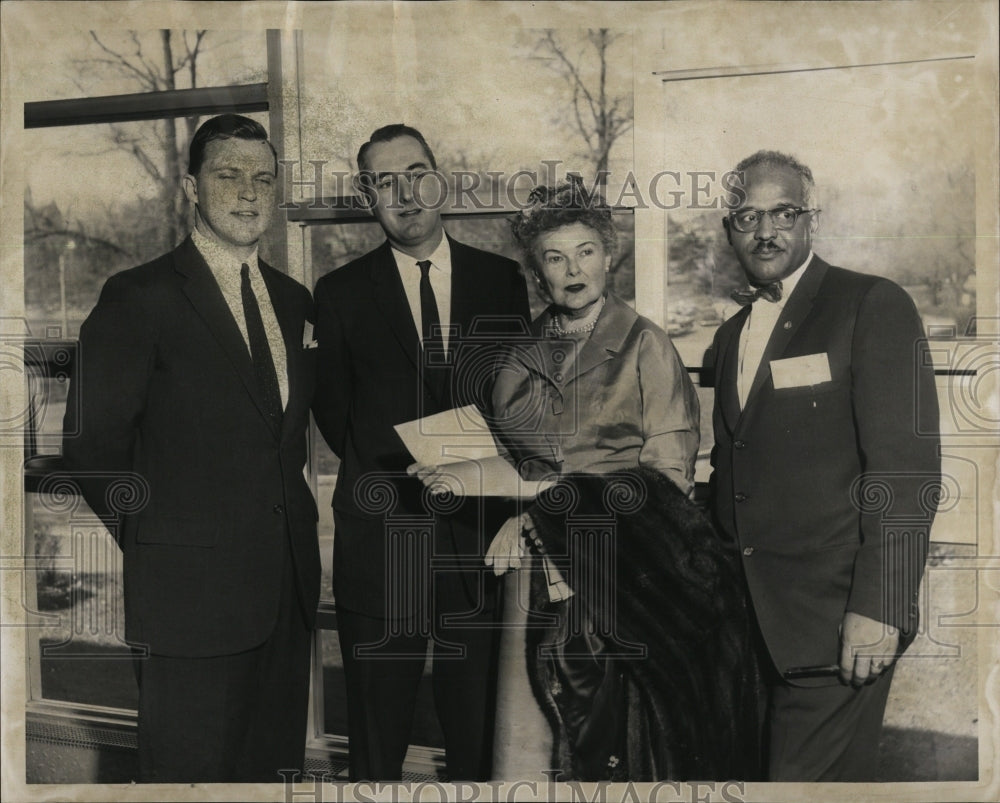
x=387, y=133
x=550, y=208
x=225, y=126
x=364, y=181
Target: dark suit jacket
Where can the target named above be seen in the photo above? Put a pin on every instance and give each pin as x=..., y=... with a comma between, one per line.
x=370, y=378
x=828, y=488
x=167, y=392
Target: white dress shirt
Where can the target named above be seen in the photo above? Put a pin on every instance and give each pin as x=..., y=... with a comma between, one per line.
x=440, y=276
x=226, y=269
x=763, y=317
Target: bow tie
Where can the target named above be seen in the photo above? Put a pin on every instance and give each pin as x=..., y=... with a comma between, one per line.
x=772, y=292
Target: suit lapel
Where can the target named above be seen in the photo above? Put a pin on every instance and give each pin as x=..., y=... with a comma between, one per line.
x=795, y=311
x=463, y=289
x=727, y=373
x=205, y=296
x=390, y=298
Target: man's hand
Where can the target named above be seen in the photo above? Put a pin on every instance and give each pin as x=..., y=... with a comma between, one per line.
x=461, y=478
x=867, y=648
x=485, y=476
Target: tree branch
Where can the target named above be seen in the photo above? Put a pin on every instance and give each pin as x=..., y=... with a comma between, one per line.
x=155, y=78
x=122, y=63
x=569, y=71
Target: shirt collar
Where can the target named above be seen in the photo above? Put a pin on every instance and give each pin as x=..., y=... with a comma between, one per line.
x=440, y=259
x=219, y=260
x=789, y=282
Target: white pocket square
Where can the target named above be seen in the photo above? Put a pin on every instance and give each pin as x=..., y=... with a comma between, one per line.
x=797, y=372
x=307, y=337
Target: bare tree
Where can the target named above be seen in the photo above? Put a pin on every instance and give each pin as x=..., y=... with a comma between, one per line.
x=599, y=115
x=155, y=67
x=69, y=252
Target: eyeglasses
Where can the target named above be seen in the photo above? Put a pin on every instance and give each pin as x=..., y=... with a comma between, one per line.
x=782, y=218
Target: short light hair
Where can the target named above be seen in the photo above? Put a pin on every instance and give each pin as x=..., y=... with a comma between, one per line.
x=225, y=126
x=550, y=208
x=765, y=158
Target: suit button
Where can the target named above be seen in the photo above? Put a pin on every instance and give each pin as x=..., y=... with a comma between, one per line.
x=748, y=551
x=278, y=509
x=741, y=497
x=740, y=444
x=557, y=377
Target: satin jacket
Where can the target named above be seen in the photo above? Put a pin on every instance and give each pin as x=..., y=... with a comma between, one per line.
x=620, y=399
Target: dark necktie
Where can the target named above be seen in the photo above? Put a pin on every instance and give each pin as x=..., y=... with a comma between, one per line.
x=428, y=305
x=260, y=351
x=771, y=292
x=435, y=362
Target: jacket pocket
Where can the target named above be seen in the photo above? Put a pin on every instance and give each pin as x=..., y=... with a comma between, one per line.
x=820, y=389
x=178, y=531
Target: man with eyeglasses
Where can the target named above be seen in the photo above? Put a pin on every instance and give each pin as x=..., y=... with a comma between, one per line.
x=826, y=471
x=403, y=332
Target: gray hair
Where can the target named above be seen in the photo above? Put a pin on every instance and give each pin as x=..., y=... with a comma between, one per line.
x=766, y=158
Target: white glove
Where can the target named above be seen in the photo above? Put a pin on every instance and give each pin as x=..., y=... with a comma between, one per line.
x=508, y=547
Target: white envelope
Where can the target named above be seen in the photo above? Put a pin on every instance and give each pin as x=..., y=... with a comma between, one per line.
x=461, y=441
x=447, y=437
x=797, y=372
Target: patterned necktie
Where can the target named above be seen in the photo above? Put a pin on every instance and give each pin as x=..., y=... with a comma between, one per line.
x=260, y=351
x=771, y=292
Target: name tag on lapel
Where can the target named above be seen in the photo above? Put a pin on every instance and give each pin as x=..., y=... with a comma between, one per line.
x=797, y=372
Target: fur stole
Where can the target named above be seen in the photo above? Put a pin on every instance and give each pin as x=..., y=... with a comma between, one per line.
x=647, y=672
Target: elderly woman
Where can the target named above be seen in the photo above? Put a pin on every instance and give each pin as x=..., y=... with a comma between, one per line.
x=601, y=388
x=624, y=651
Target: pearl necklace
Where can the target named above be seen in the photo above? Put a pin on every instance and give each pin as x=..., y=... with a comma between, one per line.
x=587, y=327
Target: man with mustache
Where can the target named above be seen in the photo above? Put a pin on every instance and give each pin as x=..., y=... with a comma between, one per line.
x=406, y=331
x=826, y=467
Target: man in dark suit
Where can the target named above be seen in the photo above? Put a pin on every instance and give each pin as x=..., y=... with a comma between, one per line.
x=404, y=332
x=826, y=467
x=194, y=383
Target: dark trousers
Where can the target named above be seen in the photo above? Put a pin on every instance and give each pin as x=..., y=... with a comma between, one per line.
x=383, y=663
x=826, y=733
x=231, y=718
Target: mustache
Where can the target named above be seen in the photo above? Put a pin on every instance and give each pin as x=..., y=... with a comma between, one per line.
x=762, y=247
